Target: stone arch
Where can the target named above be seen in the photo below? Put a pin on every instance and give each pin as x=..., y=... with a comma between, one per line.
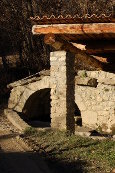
x=37, y=106
x=20, y=94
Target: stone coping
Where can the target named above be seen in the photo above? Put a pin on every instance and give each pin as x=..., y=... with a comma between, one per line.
x=33, y=78
x=84, y=78
x=15, y=119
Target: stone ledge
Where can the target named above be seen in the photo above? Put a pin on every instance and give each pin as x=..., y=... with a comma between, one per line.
x=83, y=131
x=22, y=82
x=44, y=73
x=58, y=53
x=15, y=119
x=107, y=81
x=30, y=79
x=86, y=81
x=102, y=77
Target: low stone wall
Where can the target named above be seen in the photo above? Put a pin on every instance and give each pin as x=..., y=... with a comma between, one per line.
x=97, y=104
x=94, y=95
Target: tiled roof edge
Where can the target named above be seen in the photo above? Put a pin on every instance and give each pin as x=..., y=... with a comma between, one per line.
x=75, y=18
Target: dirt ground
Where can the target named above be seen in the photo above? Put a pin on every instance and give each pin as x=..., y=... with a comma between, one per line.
x=15, y=155
x=44, y=153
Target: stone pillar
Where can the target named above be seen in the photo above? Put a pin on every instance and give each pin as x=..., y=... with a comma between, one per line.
x=62, y=90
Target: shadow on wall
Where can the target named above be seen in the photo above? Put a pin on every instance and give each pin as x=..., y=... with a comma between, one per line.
x=36, y=111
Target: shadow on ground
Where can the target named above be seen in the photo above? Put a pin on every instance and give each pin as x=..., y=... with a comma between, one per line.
x=29, y=162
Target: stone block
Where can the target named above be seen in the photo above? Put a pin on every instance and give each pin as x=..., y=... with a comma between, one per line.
x=62, y=59
x=58, y=53
x=58, y=121
x=107, y=81
x=53, y=63
x=86, y=81
x=53, y=58
x=83, y=134
x=15, y=119
x=62, y=69
x=89, y=118
x=44, y=73
x=78, y=97
x=110, y=75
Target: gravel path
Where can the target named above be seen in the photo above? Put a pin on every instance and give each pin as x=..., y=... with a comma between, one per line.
x=15, y=155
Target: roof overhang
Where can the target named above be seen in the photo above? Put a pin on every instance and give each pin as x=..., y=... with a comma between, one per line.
x=97, y=37
x=77, y=32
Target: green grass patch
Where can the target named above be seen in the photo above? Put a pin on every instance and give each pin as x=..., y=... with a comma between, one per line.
x=30, y=131
x=99, y=155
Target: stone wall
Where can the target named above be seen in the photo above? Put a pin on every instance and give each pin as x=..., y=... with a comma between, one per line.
x=97, y=104
x=62, y=85
x=92, y=91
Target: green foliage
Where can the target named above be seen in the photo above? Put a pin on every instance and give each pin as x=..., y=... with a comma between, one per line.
x=30, y=131
x=84, y=74
x=99, y=129
x=17, y=38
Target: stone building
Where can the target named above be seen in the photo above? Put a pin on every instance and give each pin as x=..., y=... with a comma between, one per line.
x=94, y=98
x=83, y=97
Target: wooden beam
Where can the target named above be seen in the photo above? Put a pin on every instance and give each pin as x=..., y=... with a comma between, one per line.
x=101, y=59
x=59, y=44
x=80, y=29
x=106, y=47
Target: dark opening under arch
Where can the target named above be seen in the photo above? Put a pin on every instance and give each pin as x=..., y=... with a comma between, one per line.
x=37, y=108
x=78, y=118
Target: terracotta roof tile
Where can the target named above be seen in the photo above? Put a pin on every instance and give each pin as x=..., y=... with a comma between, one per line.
x=73, y=19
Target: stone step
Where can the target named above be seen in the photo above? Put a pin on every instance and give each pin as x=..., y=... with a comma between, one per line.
x=15, y=119
x=82, y=131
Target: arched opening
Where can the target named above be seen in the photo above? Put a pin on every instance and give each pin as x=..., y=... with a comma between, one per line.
x=36, y=111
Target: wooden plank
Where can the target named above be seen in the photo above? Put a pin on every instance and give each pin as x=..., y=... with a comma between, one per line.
x=101, y=59
x=99, y=51
x=98, y=47
x=88, y=39
x=80, y=29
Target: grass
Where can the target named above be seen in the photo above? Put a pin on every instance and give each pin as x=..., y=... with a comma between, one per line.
x=84, y=74
x=29, y=131
x=92, y=156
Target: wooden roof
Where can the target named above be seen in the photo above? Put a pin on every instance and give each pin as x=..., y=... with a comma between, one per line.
x=78, y=27
x=97, y=33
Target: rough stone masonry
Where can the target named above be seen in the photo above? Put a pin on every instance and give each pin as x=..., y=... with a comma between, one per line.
x=97, y=103
x=62, y=83
x=92, y=91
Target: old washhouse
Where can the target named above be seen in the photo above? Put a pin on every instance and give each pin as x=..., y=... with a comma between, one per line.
x=75, y=38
